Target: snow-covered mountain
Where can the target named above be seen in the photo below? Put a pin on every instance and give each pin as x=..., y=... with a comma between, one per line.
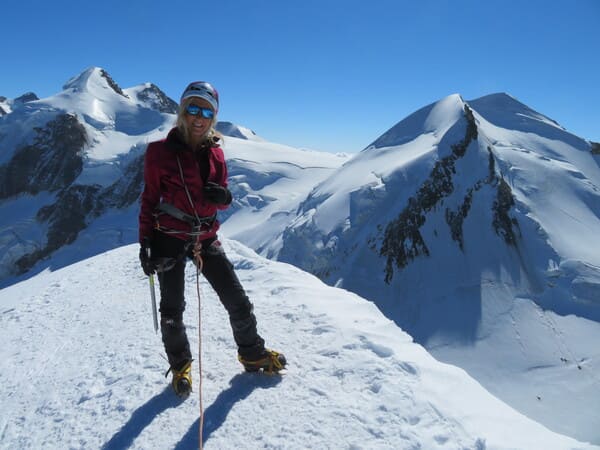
x=470, y=224
x=81, y=367
x=71, y=171
x=474, y=226
x=70, y=158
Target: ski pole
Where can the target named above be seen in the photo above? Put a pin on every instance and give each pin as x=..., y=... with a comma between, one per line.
x=153, y=300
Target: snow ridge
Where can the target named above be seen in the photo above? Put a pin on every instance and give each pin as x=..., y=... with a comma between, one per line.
x=505, y=284
x=472, y=228
x=95, y=373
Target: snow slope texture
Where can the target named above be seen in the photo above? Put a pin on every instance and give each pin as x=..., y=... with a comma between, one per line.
x=82, y=368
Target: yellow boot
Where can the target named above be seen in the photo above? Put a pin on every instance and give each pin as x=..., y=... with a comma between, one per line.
x=182, y=379
x=270, y=362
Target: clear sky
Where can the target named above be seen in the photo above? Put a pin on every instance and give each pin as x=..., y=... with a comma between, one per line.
x=323, y=74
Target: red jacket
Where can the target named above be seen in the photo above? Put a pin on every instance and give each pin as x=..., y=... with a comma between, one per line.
x=162, y=183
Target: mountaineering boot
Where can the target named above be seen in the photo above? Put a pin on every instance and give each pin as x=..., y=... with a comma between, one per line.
x=270, y=361
x=182, y=379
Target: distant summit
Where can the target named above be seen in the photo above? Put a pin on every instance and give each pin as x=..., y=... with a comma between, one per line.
x=77, y=156
x=471, y=224
x=71, y=157
x=236, y=131
x=152, y=97
x=27, y=97
x=501, y=109
x=7, y=105
x=93, y=79
x=434, y=117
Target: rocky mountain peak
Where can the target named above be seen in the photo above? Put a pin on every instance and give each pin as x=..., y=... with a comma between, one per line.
x=3, y=111
x=93, y=80
x=506, y=111
x=27, y=97
x=154, y=98
x=436, y=117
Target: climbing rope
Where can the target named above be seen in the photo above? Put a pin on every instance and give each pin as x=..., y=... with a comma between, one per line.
x=198, y=262
x=197, y=254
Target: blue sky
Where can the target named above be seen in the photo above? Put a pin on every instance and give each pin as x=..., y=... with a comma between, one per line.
x=323, y=74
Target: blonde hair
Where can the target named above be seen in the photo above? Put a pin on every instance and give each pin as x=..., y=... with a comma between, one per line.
x=181, y=125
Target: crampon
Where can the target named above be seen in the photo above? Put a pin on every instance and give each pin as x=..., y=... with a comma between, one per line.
x=270, y=362
x=182, y=380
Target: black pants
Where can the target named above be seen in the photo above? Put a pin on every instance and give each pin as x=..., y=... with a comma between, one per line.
x=219, y=272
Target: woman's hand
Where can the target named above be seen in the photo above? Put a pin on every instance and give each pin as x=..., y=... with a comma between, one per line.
x=217, y=194
x=148, y=265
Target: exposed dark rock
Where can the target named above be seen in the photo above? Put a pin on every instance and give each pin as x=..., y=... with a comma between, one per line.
x=402, y=240
x=65, y=218
x=126, y=190
x=2, y=111
x=460, y=148
x=27, y=97
x=492, y=166
x=52, y=162
x=77, y=205
x=158, y=100
x=503, y=223
x=455, y=219
x=595, y=148
x=112, y=83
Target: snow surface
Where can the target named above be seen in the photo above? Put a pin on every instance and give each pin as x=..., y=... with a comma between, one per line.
x=6, y=106
x=269, y=180
x=116, y=124
x=81, y=367
x=523, y=324
x=555, y=181
x=21, y=227
x=523, y=320
x=273, y=179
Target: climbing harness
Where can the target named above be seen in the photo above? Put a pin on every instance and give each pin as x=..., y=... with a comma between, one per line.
x=199, y=225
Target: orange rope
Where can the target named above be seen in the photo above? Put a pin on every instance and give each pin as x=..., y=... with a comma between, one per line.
x=199, y=262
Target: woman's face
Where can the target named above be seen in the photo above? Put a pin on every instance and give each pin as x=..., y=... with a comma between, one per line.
x=197, y=125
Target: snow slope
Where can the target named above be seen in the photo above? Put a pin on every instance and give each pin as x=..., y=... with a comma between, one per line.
x=5, y=107
x=268, y=180
x=477, y=236
x=85, y=144
x=80, y=367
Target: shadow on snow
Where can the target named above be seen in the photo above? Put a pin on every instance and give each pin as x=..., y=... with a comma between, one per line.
x=240, y=387
x=141, y=418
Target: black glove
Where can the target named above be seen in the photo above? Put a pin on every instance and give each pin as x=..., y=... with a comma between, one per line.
x=217, y=194
x=148, y=265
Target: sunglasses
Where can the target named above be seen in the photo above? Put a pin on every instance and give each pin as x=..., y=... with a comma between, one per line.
x=194, y=110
